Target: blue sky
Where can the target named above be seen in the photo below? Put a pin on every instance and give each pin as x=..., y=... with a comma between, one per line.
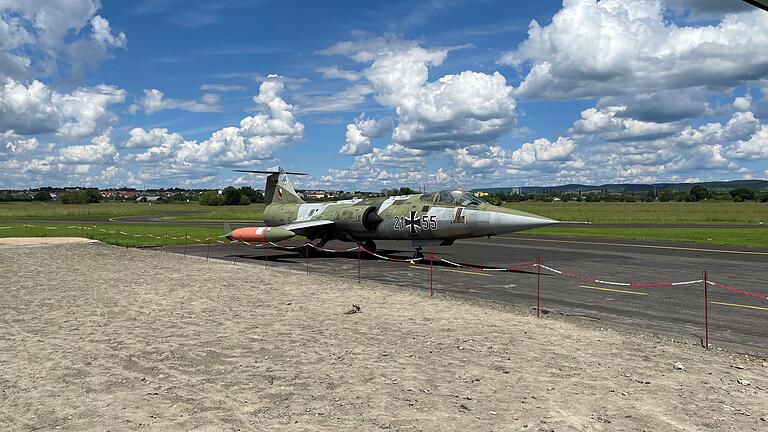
x=438, y=93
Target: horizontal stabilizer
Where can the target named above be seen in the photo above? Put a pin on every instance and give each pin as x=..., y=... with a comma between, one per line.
x=270, y=172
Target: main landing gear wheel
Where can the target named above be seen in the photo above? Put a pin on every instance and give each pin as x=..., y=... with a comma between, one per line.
x=370, y=246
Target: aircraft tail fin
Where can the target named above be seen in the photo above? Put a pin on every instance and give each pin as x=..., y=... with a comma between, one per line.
x=279, y=189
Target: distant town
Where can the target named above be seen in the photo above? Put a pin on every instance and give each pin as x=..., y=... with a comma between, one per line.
x=736, y=190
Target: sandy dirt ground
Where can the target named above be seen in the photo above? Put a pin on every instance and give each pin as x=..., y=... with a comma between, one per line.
x=40, y=241
x=95, y=337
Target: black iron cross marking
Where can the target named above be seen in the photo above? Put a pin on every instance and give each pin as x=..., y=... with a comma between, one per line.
x=412, y=222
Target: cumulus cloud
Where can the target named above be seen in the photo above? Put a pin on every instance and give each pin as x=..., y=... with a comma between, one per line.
x=140, y=138
x=99, y=151
x=609, y=124
x=753, y=148
x=36, y=109
x=392, y=165
x=613, y=47
x=102, y=33
x=155, y=101
x=254, y=140
x=12, y=145
x=361, y=131
x=743, y=103
x=462, y=109
x=543, y=150
x=34, y=34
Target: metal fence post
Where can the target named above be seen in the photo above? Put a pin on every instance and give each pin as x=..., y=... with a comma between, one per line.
x=538, y=288
x=431, y=292
x=706, y=311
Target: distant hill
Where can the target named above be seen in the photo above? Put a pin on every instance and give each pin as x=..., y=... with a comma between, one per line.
x=631, y=187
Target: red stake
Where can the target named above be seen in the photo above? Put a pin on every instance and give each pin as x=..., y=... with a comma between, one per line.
x=307, y=256
x=430, y=273
x=266, y=256
x=706, y=312
x=359, y=277
x=538, y=288
x=208, y=250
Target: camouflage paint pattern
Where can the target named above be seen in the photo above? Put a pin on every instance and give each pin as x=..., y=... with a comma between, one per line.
x=443, y=215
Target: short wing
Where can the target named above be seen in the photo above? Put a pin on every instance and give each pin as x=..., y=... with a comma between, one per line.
x=303, y=228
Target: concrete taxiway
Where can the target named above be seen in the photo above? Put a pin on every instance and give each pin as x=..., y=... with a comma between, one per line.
x=736, y=320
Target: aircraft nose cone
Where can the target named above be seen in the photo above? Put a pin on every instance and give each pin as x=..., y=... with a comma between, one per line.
x=506, y=222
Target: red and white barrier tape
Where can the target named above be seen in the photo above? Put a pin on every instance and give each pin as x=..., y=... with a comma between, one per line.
x=738, y=291
x=629, y=284
x=441, y=259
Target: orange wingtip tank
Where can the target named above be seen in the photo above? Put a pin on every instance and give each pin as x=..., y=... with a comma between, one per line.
x=260, y=234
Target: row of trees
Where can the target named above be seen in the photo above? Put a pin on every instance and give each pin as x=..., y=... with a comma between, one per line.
x=87, y=196
x=697, y=193
x=232, y=196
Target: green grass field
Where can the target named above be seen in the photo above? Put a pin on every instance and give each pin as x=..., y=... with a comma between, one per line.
x=606, y=213
x=253, y=212
x=652, y=213
x=55, y=210
x=119, y=234
x=757, y=237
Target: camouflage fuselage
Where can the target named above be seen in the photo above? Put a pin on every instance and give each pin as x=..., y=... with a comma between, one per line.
x=435, y=216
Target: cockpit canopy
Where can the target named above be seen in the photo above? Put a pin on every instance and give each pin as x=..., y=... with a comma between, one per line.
x=448, y=197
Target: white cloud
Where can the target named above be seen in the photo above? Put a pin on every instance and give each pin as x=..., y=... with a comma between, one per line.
x=345, y=100
x=34, y=33
x=254, y=140
x=543, y=150
x=140, y=138
x=743, y=103
x=752, y=148
x=330, y=72
x=100, y=151
x=102, y=33
x=84, y=111
x=36, y=109
x=609, y=124
x=740, y=126
x=155, y=101
x=29, y=109
x=612, y=47
x=361, y=131
x=453, y=111
x=12, y=145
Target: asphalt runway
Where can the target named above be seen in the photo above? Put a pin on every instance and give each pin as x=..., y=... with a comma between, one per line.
x=736, y=321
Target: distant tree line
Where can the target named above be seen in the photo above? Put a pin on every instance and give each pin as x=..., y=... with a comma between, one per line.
x=245, y=195
x=398, y=191
x=695, y=194
x=87, y=196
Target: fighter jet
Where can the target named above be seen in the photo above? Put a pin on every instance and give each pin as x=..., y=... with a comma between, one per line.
x=427, y=219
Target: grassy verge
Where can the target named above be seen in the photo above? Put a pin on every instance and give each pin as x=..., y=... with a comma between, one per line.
x=253, y=212
x=654, y=212
x=55, y=210
x=757, y=237
x=109, y=209
x=120, y=234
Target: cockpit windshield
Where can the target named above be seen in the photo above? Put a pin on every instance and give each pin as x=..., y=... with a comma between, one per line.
x=468, y=200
